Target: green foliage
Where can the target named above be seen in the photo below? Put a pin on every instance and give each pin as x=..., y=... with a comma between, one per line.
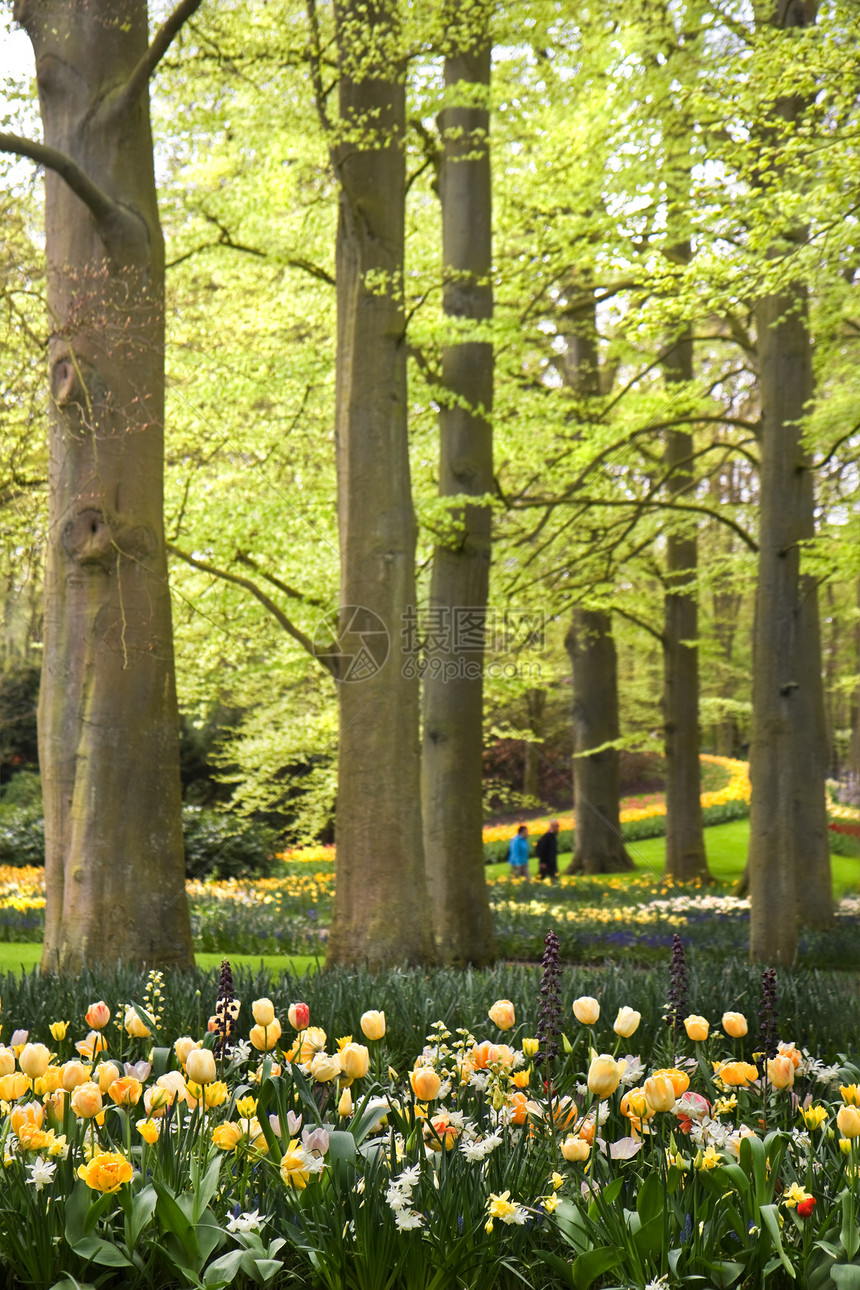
x=218, y=845
x=22, y=835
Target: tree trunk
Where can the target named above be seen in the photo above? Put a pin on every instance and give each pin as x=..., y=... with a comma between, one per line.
x=599, y=843
x=535, y=706
x=789, y=860
x=380, y=910
x=685, y=838
x=452, y=771
x=108, y=723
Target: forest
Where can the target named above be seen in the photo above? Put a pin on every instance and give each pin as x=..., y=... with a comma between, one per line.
x=414, y=401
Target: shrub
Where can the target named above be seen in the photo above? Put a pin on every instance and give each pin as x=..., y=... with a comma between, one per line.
x=225, y=846
x=22, y=836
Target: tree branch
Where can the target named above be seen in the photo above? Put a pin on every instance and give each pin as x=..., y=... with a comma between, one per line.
x=279, y=616
x=103, y=208
x=139, y=79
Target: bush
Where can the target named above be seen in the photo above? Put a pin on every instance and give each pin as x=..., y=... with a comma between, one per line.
x=226, y=846
x=23, y=789
x=22, y=835
x=216, y=845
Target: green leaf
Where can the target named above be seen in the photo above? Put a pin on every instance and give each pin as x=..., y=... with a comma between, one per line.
x=222, y=1271
x=649, y=1198
x=724, y=1272
x=849, y=1235
x=588, y=1267
x=846, y=1276
x=770, y=1220
x=176, y=1222
x=142, y=1209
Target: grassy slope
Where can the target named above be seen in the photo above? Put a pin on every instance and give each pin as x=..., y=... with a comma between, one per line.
x=726, y=845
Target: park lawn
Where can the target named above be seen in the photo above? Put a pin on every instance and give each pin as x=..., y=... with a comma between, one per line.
x=20, y=957
x=726, y=847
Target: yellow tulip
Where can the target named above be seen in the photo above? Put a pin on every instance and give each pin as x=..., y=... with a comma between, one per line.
x=604, y=1075
x=659, y=1093
x=373, y=1024
x=734, y=1024
x=106, y=1172
x=696, y=1027
x=586, y=1010
x=848, y=1121
x=502, y=1014
x=264, y=1011
x=425, y=1083
x=33, y=1060
x=627, y=1022
x=575, y=1150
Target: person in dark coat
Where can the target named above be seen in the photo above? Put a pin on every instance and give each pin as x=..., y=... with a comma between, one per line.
x=547, y=852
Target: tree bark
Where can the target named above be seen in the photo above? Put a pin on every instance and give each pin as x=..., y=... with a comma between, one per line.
x=535, y=706
x=452, y=773
x=685, y=838
x=789, y=859
x=381, y=907
x=108, y=722
x=598, y=841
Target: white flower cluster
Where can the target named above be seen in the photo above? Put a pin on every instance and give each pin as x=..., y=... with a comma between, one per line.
x=399, y=1197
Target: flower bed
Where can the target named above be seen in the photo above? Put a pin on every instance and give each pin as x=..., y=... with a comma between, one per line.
x=555, y=1143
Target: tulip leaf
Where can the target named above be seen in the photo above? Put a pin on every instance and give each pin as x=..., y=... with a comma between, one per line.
x=588, y=1267
x=142, y=1209
x=222, y=1271
x=849, y=1235
x=846, y=1276
x=176, y=1222
x=649, y=1198
x=770, y=1220
x=724, y=1272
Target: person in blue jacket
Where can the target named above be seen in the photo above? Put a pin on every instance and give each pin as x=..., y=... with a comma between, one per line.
x=518, y=853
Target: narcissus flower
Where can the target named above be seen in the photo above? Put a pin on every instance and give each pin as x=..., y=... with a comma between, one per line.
x=106, y=1172
x=425, y=1083
x=502, y=1014
x=696, y=1027
x=795, y=1195
x=373, y=1024
x=604, y=1075
x=586, y=1010
x=626, y=1022
x=734, y=1024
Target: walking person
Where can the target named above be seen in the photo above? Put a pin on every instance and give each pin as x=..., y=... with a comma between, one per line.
x=518, y=853
x=547, y=852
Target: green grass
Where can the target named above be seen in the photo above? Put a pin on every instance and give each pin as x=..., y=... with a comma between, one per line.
x=20, y=957
x=726, y=846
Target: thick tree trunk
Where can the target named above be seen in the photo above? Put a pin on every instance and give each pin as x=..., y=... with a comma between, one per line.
x=599, y=844
x=108, y=724
x=789, y=859
x=381, y=907
x=452, y=773
x=789, y=863
x=685, y=838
